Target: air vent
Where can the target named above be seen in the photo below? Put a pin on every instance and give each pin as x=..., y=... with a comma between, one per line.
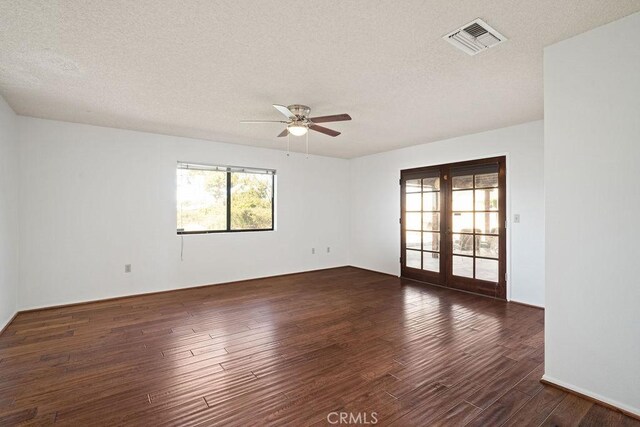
x=475, y=37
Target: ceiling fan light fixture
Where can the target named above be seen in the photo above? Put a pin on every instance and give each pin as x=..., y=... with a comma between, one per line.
x=299, y=123
x=297, y=129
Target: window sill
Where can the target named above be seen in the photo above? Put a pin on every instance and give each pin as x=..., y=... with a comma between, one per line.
x=186, y=233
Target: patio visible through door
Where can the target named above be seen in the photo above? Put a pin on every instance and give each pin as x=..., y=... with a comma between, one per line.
x=453, y=225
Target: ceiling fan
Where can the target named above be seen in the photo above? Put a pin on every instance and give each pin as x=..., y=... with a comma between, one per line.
x=298, y=121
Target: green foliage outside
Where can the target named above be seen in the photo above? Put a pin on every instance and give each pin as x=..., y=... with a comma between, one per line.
x=251, y=196
x=202, y=200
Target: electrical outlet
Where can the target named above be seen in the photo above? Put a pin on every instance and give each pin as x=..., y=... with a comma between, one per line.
x=127, y=268
x=328, y=249
x=313, y=251
x=516, y=218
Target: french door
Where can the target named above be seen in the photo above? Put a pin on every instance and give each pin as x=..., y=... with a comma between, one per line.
x=453, y=225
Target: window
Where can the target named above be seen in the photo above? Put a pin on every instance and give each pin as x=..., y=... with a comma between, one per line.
x=213, y=199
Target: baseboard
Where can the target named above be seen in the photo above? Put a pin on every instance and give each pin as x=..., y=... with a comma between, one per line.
x=375, y=271
x=6, y=325
x=526, y=304
x=123, y=297
x=593, y=397
x=454, y=289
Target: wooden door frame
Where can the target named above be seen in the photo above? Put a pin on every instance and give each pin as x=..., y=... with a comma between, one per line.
x=421, y=275
x=445, y=276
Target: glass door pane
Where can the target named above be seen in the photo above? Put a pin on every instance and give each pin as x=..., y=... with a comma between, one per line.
x=475, y=224
x=431, y=224
x=421, y=220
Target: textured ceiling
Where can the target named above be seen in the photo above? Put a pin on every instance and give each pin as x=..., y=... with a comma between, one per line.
x=195, y=68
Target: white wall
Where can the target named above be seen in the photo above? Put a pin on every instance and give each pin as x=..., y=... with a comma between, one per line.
x=9, y=201
x=592, y=173
x=95, y=199
x=375, y=201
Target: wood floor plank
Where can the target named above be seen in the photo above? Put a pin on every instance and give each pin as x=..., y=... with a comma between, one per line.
x=538, y=408
x=531, y=384
x=428, y=405
x=569, y=412
x=17, y=416
x=285, y=350
x=505, y=381
x=599, y=416
x=501, y=410
x=459, y=415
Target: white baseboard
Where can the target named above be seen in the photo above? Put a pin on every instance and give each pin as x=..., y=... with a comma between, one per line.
x=526, y=303
x=4, y=323
x=635, y=412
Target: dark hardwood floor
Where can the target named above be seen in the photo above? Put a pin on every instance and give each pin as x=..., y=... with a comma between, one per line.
x=286, y=351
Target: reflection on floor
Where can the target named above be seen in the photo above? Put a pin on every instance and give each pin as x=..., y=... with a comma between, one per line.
x=295, y=349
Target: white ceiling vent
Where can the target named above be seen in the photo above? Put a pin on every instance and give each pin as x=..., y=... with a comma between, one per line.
x=475, y=37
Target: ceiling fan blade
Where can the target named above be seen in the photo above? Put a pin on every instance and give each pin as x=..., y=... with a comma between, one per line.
x=285, y=132
x=324, y=130
x=334, y=118
x=262, y=121
x=284, y=110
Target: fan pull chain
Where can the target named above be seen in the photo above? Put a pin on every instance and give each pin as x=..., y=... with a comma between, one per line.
x=182, y=235
x=288, y=143
x=307, y=144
